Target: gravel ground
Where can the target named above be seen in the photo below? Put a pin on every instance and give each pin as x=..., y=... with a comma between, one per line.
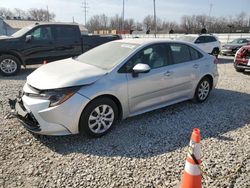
x=148, y=150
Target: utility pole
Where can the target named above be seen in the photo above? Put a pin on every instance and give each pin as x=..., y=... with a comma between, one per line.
x=47, y=13
x=210, y=10
x=123, y=16
x=209, y=15
x=85, y=10
x=155, y=19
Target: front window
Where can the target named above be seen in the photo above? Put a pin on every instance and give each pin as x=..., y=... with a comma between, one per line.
x=22, y=31
x=155, y=56
x=42, y=33
x=107, y=55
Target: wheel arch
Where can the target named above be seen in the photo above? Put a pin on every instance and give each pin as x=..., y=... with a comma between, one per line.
x=18, y=56
x=210, y=77
x=116, y=100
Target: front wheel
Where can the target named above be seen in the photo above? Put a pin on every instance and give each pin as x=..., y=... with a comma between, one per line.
x=9, y=65
x=239, y=69
x=202, y=90
x=98, y=117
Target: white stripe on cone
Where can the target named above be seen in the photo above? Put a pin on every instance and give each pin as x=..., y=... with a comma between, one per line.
x=192, y=169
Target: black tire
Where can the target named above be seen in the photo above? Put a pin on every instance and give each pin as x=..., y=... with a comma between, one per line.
x=215, y=52
x=11, y=59
x=197, y=96
x=239, y=69
x=84, y=127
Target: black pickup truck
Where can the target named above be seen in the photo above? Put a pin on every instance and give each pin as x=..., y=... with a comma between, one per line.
x=44, y=42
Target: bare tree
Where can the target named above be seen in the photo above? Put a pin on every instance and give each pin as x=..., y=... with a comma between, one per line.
x=20, y=13
x=116, y=22
x=241, y=20
x=167, y=26
x=148, y=22
x=94, y=23
x=41, y=14
x=6, y=13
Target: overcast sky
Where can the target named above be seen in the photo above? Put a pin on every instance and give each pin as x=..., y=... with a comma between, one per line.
x=171, y=10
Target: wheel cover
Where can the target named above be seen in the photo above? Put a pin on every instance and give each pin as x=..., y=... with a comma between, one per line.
x=203, y=90
x=8, y=66
x=101, y=119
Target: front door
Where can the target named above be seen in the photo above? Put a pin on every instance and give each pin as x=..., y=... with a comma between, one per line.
x=148, y=89
x=41, y=45
x=171, y=78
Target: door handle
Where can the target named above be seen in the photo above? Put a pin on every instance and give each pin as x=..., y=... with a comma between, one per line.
x=168, y=73
x=196, y=66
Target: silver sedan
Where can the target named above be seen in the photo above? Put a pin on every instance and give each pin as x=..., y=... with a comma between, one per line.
x=124, y=78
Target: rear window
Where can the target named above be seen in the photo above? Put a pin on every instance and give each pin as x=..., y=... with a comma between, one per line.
x=210, y=39
x=180, y=53
x=195, y=54
x=66, y=32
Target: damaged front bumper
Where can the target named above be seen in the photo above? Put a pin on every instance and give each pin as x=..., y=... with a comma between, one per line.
x=37, y=116
x=27, y=119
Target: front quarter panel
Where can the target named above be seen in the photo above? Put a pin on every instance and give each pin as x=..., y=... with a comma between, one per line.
x=114, y=84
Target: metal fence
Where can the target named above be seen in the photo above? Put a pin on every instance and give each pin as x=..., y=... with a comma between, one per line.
x=224, y=38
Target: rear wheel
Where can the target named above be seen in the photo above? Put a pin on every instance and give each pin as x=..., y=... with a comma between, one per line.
x=202, y=90
x=9, y=65
x=215, y=52
x=98, y=117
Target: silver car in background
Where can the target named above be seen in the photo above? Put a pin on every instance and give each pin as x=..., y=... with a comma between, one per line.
x=120, y=79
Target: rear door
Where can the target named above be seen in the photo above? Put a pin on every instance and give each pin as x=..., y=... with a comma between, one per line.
x=67, y=40
x=202, y=43
x=184, y=71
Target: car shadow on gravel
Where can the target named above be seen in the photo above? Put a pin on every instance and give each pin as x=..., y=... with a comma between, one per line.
x=226, y=59
x=162, y=130
x=22, y=75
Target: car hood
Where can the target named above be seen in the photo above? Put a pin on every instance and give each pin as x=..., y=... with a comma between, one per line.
x=3, y=37
x=64, y=73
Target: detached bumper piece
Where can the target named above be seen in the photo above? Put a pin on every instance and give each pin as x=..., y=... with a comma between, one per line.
x=26, y=118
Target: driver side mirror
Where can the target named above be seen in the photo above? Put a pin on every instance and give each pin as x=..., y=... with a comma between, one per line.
x=28, y=38
x=140, y=68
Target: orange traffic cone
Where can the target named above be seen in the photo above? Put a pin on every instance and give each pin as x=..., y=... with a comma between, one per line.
x=45, y=62
x=191, y=177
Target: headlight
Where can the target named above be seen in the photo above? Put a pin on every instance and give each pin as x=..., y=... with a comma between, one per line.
x=55, y=96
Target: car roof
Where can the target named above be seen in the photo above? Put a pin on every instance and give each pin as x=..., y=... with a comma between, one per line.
x=143, y=41
x=55, y=23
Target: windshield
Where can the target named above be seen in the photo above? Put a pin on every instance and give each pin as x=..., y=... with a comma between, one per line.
x=238, y=41
x=187, y=38
x=22, y=31
x=107, y=55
